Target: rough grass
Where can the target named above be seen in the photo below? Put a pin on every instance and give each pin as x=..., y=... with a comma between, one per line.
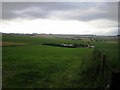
x=41, y=66
x=90, y=72
x=37, y=65
x=111, y=51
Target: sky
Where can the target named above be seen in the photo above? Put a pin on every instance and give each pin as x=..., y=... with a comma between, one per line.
x=99, y=18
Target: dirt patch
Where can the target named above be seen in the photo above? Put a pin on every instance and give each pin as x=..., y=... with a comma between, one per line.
x=10, y=43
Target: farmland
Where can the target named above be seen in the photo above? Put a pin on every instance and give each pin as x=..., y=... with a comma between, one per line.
x=28, y=63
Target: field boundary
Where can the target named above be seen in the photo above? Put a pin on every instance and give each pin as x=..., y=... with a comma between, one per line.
x=103, y=60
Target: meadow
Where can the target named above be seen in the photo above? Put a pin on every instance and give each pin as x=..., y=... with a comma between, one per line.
x=27, y=63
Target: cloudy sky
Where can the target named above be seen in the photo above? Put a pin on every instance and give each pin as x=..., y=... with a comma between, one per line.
x=100, y=18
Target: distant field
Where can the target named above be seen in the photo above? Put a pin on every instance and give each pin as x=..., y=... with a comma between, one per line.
x=36, y=65
x=37, y=40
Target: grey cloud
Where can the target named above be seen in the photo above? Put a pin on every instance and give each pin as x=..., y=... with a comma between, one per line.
x=44, y=5
x=8, y=8
x=102, y=11
x=0, y=10
x=13, y=10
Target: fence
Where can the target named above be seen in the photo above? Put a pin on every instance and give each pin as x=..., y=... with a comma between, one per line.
x=104, y=63
x=114, y=81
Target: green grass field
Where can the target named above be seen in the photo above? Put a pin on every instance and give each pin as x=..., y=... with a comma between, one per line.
x=33, y=65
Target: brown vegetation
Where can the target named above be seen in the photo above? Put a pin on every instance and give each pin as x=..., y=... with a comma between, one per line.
x=10, y=43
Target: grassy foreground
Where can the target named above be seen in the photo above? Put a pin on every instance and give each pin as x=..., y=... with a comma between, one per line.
x=41, y=66
x=33, y=65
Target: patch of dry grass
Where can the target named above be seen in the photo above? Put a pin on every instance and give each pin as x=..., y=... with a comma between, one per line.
x=10, y=43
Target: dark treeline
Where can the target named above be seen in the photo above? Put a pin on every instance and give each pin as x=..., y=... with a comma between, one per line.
x=67, y=45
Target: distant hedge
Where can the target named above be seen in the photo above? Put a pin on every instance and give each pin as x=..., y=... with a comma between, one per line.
x=61, y=45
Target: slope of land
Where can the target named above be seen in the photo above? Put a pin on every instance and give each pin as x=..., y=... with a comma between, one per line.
x=34, y=65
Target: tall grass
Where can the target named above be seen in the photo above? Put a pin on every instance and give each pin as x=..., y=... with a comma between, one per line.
x=90, y=73
x=42, y=66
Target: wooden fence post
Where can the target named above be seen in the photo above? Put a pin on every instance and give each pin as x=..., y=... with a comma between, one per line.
x=103, y=61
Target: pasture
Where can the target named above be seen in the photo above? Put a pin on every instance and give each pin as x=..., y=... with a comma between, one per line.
x=27, y=63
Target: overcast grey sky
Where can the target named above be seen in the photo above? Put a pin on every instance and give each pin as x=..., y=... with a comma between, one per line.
x=102, y=17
